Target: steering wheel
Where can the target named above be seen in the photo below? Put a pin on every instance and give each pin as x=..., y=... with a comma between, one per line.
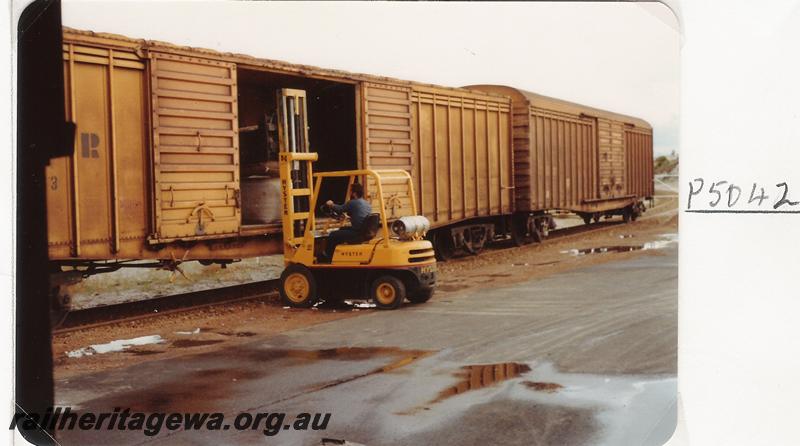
x=329, y=211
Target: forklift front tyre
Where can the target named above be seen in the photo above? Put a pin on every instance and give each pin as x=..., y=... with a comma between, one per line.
x=388, y=292
x=298, y=288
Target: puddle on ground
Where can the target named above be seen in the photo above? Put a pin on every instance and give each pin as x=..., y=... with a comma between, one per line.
x=181, y=391
x=197, y=390
x=542, y=386
x=512, y=422
x=560, y=408
x=185, y=343
x=667, y=240
x=603, y=249
x=476, y=377
x=339, y=353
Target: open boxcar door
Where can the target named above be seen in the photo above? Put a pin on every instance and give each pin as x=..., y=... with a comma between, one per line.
x=195, y=148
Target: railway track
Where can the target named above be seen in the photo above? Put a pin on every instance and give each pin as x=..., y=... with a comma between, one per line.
x=159, y=306
x=582, y=229
x=144, y=309
x=559, y=234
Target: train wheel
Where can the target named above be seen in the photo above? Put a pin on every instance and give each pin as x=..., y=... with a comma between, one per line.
x=587, y=219
x=476, y=240
x=636, y=211
x=519, y=237
x=538, y=228
x=519, y=230
x=388, y=292
x=420, y=296
x=627, y=215
x=298, y=288
x=443, y=245
x=537, y=233
x=596, y=217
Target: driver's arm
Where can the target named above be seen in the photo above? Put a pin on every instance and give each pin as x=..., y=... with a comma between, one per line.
x=337, y=207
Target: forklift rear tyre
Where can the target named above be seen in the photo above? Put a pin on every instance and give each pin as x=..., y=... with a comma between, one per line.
x=388, y=292
x=298, y=288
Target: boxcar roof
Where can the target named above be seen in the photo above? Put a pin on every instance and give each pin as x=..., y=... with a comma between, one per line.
x=139, y=45
x=546, y=102
x=116, y=40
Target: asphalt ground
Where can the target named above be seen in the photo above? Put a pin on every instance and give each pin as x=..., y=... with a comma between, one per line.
x=585, y=356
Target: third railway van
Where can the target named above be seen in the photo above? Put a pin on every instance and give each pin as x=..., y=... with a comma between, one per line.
x=575, y=158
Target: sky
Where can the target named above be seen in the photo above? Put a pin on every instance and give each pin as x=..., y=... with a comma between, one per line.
x=622, y=57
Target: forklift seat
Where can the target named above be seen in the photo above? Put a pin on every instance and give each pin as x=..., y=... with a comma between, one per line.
x=369, y=229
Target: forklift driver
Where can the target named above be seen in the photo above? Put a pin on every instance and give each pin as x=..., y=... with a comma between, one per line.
x=358, y=209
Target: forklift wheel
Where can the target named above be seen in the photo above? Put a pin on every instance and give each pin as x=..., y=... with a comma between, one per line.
x=298, y=287
x=388, y=292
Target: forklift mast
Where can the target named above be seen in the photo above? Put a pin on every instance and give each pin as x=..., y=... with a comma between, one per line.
x=295, y=166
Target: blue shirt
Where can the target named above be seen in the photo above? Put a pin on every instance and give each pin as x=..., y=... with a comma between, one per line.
x=358, y=209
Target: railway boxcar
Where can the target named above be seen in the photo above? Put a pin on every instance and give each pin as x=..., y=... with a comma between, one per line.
x=463, y=168
x=173, y=140
x=577, y=158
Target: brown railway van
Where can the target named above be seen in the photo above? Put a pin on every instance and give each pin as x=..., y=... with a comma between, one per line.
x=577, y=158
x=176, y=154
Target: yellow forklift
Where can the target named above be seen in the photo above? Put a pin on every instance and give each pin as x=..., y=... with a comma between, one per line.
x=390, y=262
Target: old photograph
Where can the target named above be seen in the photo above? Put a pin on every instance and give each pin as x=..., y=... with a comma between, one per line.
x=354, y=223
